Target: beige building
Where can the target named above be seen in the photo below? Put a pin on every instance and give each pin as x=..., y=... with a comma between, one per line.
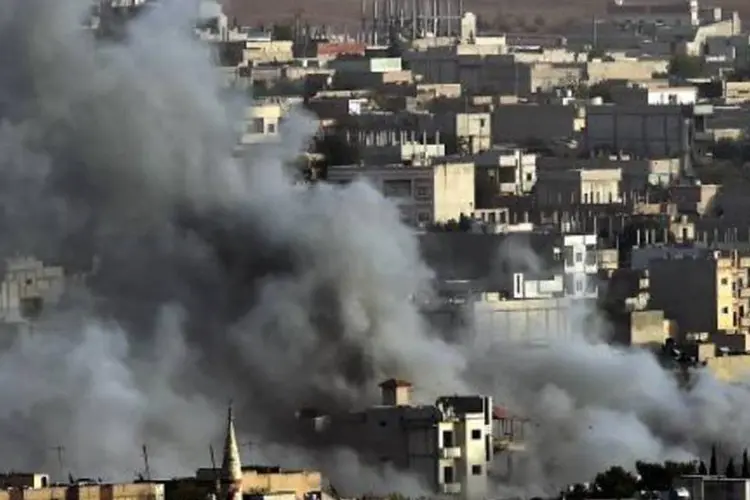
x=448, y=445
x=262, y=123
x=268, y=51
x=736, y=92
x=33, y=486
x=425, y=194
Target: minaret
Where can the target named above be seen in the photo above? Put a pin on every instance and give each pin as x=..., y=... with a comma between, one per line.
x=231, y=466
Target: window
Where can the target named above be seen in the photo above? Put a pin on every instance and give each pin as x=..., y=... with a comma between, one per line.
x=579, y=257
x=448, y=475
x=590, y=257
x=476, y=470
x=271, y=129
x=579, y=286
x=447, y=439
x=568, y=256
x=423, y=217
x=724, y=310
x=491, y=217
x=256, y=126
x=476, y=434
x=529, y=177
x=421, y=192
x=397, y=188
x=724, y=281
x=482, y=122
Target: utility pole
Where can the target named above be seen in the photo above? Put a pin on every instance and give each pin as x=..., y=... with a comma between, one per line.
x=60, y=450
x=146, y=467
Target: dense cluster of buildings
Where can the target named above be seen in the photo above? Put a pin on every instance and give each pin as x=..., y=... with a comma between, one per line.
x=597, y=153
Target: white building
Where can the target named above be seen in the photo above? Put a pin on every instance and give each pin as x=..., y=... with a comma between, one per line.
x=714, y=487
x=449, y=444
x=580, y=265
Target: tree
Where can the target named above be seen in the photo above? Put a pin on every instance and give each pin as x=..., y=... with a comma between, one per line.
x=745, y=465
x=702, y=470
x=282, y=32
x=659, y=477
x=713, y=469
x=686, y=66
x=730, y=470
x=616, y=482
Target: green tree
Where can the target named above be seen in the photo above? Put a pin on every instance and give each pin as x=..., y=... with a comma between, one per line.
x=702, y=470
x=713, y=469
x=659, y=477
x=282, y=32
x=730, y=470
x=686, y=66
x=617, y=483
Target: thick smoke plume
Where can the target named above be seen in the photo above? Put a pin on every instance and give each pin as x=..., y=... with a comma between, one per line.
x=219, y=278
x=215, y=278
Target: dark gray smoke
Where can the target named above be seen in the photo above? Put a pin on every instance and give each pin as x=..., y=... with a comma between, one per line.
x=216, y=278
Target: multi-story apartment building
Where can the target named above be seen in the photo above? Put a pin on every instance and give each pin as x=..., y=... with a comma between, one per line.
x=425, y=194
x=448, y=445
x=504, y=171
x=563, y=188
x=707, y=293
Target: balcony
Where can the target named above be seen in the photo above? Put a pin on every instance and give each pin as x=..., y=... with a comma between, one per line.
x=450, y=453
x=450, y=488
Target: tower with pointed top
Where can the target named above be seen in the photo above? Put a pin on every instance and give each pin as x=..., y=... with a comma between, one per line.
x=231, y=465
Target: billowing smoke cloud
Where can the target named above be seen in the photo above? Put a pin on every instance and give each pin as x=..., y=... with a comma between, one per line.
x=216, y=278
x=219, y=278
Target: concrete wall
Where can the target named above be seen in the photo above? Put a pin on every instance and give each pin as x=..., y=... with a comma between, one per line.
x=685, y=289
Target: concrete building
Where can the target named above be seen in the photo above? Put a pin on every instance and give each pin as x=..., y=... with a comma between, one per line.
x=580, y=266
x=524, y=122
x=34, y=486
x=714, y=487
x=655, y=131
x=504, y=171
x=669, y=12
x=425, y=194
x=27, y=287
x=637, y=173
x=448, y=445
x=708, y=293
x=561, y=188
x=262, y=123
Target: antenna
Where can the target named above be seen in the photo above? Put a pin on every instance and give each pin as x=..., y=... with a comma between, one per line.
x=60, y=450
x=146, y=467
x=217, y=473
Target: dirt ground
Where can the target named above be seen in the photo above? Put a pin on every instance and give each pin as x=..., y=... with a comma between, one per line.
x=510, y=12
